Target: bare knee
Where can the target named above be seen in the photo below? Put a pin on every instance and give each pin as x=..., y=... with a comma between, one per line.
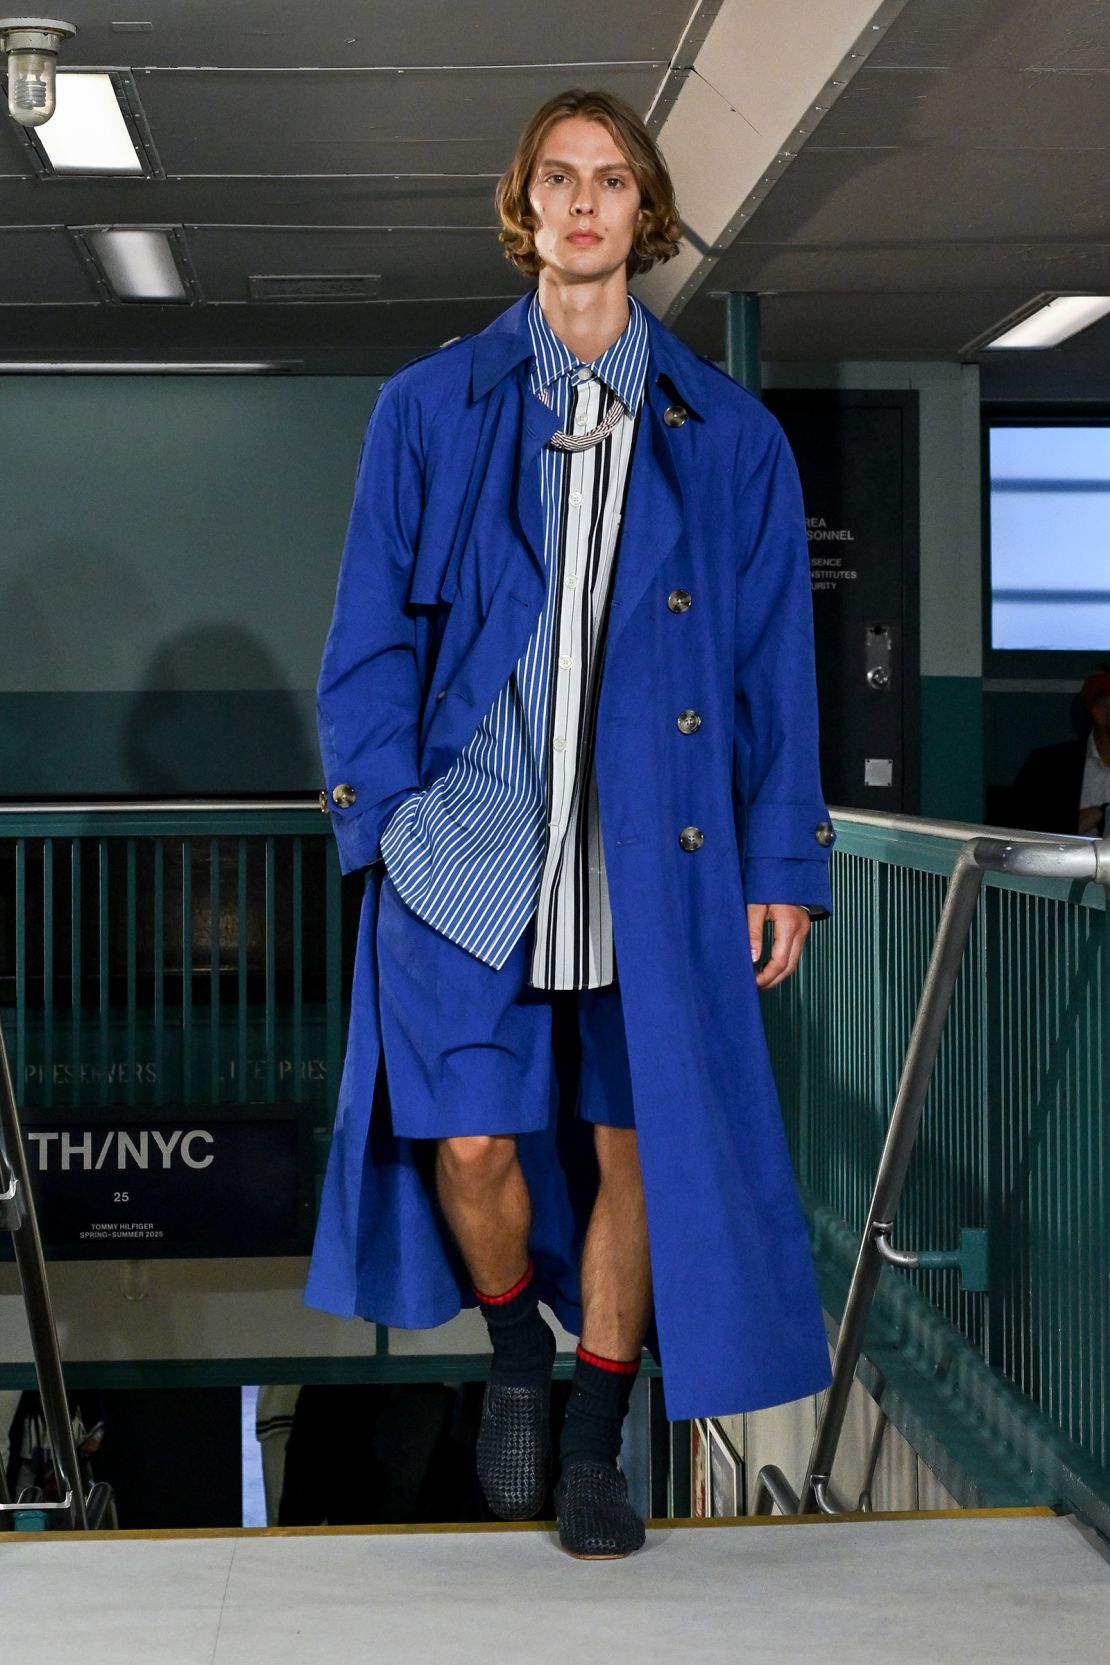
x=476, y=1159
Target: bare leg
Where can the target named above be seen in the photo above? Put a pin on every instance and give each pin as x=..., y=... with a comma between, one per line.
x=484, y=1197
x=616, y=1270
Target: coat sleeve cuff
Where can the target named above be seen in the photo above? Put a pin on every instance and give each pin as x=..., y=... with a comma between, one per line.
x=358, y=833
x=770, y=879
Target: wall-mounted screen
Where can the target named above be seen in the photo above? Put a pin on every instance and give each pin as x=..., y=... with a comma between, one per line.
x=1050, y=536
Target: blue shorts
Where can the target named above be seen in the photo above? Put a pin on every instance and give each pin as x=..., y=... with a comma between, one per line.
x=469, y=1049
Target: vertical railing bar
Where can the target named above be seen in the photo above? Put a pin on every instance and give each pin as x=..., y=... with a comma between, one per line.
x=75, y=956
x=132, y=971
x=104, y=929
x=215, y=939
x=48, y=971
x=21, y=967
x=298, y=969
x=187, y=970
x=333, y=950
x=270, y=912
x=159, y=969
x=242, y=932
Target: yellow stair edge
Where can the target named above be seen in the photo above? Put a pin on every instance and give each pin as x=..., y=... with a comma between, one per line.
x=653, y=1524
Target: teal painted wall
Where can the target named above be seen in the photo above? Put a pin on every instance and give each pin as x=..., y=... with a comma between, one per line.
x=952, y=748
x=168, y=555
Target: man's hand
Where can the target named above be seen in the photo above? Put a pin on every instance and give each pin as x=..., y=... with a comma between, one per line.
x=790, y=927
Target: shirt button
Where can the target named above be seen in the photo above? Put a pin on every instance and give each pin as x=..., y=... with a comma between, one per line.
x=572, y=581
x=580, y=421
x=575, y=499
x=565, y=662
x=560, y=745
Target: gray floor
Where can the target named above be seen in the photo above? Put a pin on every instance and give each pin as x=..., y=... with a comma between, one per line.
x=897, y=1592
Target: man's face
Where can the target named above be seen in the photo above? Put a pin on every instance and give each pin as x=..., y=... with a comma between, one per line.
x=1100, y=712
x=583, y=183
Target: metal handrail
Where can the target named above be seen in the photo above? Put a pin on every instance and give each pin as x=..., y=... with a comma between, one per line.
x=961, y=832
x=164, y=806
x=988, y=850
x=21, y=1220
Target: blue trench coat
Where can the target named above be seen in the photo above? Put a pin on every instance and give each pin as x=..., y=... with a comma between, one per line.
x=440, y=586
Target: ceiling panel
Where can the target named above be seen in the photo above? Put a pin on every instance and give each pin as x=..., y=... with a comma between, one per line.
x=909, y=268
x=961, y=171
x=411, y=264
x=369, y=121
x=353, y=33
x=883, y=198
x=43, y=265
x=971, y=106
x=382, y=201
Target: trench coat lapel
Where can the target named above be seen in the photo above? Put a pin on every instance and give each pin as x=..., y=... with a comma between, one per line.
x=655, y=511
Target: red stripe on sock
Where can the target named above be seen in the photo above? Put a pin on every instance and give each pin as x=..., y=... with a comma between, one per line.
x=623, y=1367
x=499, y=1300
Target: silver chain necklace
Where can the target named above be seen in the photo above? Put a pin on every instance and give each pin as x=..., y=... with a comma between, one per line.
x=582, y=442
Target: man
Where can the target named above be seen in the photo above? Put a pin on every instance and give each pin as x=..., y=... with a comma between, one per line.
x=539, y=820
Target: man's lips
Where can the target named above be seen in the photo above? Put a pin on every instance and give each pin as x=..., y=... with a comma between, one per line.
x=583, y=237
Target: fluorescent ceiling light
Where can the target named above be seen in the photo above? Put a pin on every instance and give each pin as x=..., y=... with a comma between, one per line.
x=91, y=367
x=138, y=264
x=1054, y=322
x=87, y=132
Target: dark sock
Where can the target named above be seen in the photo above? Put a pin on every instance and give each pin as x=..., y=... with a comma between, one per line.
x=523, y=1345
x=596, y=1408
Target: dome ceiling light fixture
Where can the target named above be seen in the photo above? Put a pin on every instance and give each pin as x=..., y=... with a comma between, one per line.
x=31, y=46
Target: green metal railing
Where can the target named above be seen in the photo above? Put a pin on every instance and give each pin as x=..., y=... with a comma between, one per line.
x=172, y=954
x=1012, y=1146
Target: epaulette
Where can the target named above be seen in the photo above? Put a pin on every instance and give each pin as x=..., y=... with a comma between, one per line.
x=419, y=358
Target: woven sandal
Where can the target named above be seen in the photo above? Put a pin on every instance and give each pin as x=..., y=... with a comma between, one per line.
x=596, y=1520
x=513, y=1452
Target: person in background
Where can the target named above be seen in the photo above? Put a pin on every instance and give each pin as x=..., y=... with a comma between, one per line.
x=1094, y=794
x=1059, y=788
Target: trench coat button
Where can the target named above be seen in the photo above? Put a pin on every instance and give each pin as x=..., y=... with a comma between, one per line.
x=688, y=721
x=691, y=838
x=679, y=601
x=440, y=695
x=344, y=796
x=325, y=807
x=824, y=832
x=674, y=416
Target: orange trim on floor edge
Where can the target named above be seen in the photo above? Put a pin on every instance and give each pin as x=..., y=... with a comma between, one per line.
x=187, y=1534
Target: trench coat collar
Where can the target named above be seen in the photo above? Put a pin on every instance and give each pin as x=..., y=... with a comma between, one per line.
x=621, y=366
x=507, y=342
x=655, y=516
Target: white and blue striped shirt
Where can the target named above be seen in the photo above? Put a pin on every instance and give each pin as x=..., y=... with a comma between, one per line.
x=511, y=829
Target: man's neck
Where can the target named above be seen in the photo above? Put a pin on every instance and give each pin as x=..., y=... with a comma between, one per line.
x=587, y=317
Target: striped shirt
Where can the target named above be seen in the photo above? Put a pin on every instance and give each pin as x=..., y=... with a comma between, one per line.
x=511, y=830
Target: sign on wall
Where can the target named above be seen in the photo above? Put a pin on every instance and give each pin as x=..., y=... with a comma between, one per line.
x=139, y=1183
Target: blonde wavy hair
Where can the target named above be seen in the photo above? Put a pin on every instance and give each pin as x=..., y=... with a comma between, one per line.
x=658, y=232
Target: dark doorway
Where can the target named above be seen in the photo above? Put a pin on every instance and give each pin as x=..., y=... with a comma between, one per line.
x=857, y=455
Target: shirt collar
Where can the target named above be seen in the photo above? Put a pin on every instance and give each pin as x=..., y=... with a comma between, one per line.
x=621, y=366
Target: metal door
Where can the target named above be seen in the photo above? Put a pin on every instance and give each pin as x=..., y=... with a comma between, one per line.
x=858, y=461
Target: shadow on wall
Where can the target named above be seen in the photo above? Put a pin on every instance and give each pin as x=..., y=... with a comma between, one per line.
x=239, y=732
